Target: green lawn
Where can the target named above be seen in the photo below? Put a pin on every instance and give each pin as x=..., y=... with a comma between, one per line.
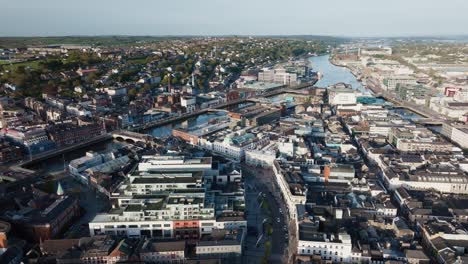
x=33, y=64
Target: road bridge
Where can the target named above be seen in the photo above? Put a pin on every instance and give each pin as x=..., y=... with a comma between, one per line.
x=132, y=137
x=165, y=121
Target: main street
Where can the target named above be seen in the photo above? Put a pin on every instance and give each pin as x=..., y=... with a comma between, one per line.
x=265, y=184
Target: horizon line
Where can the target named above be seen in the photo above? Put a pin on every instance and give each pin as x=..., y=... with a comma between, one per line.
x=243, y=35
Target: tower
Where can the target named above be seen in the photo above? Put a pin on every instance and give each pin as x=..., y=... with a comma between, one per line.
x=59, y=191
x=2, y=117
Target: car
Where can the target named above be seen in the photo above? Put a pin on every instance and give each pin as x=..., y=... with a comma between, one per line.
x=285, y=228
x=281, y=211
x=278, y=220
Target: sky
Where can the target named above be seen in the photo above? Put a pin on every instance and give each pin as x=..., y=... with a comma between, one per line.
x=354, y=18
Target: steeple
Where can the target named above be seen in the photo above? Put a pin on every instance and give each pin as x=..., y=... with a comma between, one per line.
x=59, y=191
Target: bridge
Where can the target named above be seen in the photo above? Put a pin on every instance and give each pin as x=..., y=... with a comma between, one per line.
x=429, y=121
x=132, y=137
x=430, y=117
x=165, y=121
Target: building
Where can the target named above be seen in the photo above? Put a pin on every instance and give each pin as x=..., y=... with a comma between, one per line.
x=372, y=51
x=279, y=76
x=456, y=133
x=391, y=83
x=91, y=250
x=259, y=88
x=414, y=173
x=221, y=244
x=70, y=133
x=189, y=102
x=13, y=255
x=332, y=247
x=163, y=252
x=174, y=197
x=341, y=96
x=418, y=140
x=46, y=222
x=9, y=152
x=33, y=139
x=83, y=168
x=411, y=92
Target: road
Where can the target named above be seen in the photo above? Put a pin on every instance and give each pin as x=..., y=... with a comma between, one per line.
x=264, y=182
x=91, y=201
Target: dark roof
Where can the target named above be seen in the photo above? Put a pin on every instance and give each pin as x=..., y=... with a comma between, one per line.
x=165, y=246
x=10, y=254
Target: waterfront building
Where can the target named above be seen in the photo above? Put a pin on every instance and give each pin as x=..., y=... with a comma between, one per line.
x=341, y=96
x=189, y=102
x=259, y=88
x=457, y=133
x=83, y=168
x=391, y=83
x=33, y=139
x=70, y=133
x=279, y=76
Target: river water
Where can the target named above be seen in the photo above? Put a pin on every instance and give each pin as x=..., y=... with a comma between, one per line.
x=332, y=74
x=164, y=131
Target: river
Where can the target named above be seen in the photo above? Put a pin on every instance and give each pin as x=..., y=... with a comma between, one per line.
x=164, y=131
x=332, y=74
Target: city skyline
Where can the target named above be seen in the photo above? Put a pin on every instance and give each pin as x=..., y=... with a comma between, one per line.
x=186, y=18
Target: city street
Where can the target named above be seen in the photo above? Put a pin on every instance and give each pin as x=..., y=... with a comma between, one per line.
x=264, y=184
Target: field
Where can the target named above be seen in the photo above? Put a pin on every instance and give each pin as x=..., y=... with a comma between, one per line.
x=15, y=42
x=34, y=64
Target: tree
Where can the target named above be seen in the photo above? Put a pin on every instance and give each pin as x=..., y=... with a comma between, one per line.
x=132, y=93
x=91, y=78
x=146, y=88
x=77, y=82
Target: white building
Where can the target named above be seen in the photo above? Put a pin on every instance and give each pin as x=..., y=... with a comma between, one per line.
x=456, y=133
x=229, y=245
x=332, y=247
x=341, y=96
x=262, y=158
x=189, y=102
x=172, y=197
x=279, y=76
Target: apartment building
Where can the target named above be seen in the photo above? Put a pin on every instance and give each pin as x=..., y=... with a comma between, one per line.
x=175, y=197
